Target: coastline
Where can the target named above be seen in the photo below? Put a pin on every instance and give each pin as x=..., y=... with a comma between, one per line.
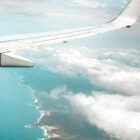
x=48, y=131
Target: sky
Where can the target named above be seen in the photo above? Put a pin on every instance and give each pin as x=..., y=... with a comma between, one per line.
x=44, y=15
x=110, y=61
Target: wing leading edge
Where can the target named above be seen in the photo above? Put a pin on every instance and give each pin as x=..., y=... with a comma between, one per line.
x=16, y=42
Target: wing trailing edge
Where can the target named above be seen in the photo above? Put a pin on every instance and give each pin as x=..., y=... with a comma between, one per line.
x=12, y=60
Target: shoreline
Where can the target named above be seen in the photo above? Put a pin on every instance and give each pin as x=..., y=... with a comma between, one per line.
x=47, y=130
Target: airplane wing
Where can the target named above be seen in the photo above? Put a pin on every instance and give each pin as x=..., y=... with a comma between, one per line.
x=16, y=42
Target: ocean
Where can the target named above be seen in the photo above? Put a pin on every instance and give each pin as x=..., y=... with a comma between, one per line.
x=55, y=114
x=26, y=106
x=16, y=109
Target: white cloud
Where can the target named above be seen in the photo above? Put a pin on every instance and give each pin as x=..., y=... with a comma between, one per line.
x=90, y=3
x=22, y=7
x=97, y=4
x=63, y=10
x=36, y=8
x=58, y=92
x=117, y=115
x=116, y=111
x=106, y=73
x=41, y=9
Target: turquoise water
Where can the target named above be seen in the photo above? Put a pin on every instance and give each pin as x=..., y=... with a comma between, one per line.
x=71, y=126
x=16, y=109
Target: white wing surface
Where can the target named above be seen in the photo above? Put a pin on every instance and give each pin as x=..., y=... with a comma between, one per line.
x=15, y=42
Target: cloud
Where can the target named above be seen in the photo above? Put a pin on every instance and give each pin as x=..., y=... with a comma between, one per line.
x=22, y=7
x=36, y=8
x=42, y=9
x=100, y=4
x=65, y=10
x=106, y=73
x=117, y=115
x=89, y=3
x=116, y=108
x=58, y=92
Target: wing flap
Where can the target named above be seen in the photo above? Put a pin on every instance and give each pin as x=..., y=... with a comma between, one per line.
x=12, y=60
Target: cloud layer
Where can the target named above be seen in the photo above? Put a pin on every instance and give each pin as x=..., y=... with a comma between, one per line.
x=106, y=73
x=115, y=109
x=117, y=115
x=90, y=3
x=59, y=9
